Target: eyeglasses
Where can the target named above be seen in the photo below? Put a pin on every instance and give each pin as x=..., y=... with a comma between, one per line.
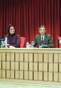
x=12, y=29
x=42, y=29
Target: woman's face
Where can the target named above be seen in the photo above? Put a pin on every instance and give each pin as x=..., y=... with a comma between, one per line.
x=12, y=30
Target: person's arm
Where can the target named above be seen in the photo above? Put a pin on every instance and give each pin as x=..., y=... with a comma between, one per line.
x=35, y=43
x=17, y=45
x=50, y=43
x=18, y=42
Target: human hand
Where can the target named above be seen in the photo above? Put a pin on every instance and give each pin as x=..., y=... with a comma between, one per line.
x=32, y=43
x=40, y=46
x=30, y=46
x=11, y=47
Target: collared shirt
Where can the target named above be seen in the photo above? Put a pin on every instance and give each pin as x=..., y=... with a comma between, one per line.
x=43, y=37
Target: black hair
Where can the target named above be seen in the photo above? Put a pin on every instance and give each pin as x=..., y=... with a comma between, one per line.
x=8, y=27
x=42, y=26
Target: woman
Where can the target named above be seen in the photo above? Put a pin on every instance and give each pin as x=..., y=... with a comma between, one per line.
x=13, y=40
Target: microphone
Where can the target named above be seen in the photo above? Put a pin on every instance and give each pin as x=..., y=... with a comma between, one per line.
x=32, y=43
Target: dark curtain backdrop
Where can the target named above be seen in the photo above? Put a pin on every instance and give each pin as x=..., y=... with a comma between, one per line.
x=28, y=15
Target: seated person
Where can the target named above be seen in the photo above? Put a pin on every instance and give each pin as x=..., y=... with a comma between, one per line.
x=13, y=40
x=43, y=40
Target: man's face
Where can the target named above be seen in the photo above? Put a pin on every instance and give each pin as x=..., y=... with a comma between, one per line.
x=12, y=30
x=42, y=31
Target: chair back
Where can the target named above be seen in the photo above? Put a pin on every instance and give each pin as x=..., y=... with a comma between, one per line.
x=22, y=42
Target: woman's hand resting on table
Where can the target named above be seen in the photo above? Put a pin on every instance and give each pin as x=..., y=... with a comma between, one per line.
x=11, y=47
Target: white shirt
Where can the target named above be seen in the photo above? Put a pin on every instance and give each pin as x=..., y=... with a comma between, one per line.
x=43, y=37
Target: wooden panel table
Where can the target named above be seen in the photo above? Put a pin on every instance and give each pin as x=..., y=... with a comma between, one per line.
x=33, y=65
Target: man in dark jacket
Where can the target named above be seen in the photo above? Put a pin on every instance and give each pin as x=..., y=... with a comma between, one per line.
x=43, y=40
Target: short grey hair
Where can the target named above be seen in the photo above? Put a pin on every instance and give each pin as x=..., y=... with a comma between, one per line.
x=42, y=26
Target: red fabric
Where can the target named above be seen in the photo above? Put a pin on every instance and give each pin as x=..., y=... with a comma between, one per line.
x=59, y=37
x=22, y=42
x=28, y=15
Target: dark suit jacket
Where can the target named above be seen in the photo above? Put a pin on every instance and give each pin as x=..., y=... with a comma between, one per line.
x=47, y=41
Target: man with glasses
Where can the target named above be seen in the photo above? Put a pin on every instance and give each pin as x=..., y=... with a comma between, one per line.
x=43, y=40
